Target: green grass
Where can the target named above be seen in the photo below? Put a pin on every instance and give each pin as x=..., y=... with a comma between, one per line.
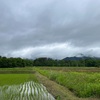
x=16, y=70
x=83, y=84
x=11, y=79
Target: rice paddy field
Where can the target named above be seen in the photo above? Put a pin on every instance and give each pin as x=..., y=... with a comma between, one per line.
x=22, y=83
x=22, y=86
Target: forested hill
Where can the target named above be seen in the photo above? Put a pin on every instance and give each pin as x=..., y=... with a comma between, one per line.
x=43, y=61
x=80, y=58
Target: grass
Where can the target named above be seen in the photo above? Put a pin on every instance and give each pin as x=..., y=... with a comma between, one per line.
x=10, y=76
x=16, y=70
x=83, y=84
x=73, y=69
x=10, y=79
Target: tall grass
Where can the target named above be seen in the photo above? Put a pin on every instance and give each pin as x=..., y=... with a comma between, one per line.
x=83, y=84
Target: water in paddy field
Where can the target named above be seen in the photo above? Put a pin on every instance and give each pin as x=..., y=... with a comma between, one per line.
x=27, y=91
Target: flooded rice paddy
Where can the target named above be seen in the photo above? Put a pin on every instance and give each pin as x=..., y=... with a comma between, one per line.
x=26, y=91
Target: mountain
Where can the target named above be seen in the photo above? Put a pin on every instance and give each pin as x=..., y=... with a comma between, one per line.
x=79, y=58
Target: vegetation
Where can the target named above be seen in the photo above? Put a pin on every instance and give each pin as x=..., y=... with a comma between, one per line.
x=18, y=70
x=83, y=84
x=21, y=86
x=80, y=76
x=82, y=81
x=14, y=62
x=12, y=79
x=25, y=91
x=19, y=62
x=83, y=62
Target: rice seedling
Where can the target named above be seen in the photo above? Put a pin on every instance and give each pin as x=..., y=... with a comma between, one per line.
x=25, y=92
x=10, y=79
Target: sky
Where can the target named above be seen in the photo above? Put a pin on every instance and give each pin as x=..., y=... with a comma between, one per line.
x=49, y=28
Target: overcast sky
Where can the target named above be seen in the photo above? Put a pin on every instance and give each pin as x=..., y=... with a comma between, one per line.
x=49, y=28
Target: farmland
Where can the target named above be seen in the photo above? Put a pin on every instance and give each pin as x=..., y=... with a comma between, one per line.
x=83, y=82
x=63, y=83
x=21, y=84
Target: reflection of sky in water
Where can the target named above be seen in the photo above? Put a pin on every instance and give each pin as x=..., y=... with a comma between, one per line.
x=26, y=91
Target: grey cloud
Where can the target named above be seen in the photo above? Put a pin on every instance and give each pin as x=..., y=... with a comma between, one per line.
x=36, y=23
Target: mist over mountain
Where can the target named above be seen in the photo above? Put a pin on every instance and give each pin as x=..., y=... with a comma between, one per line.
x=80, y=58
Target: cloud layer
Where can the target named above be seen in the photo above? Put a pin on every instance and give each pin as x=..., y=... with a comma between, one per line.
x=55, y=28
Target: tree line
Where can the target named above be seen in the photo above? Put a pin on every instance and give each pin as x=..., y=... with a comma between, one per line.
x=19, y=62
x=14, y=62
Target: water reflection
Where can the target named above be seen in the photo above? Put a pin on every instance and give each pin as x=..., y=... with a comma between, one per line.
x=27, y=91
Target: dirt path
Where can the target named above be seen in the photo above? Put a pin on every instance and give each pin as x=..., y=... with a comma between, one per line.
x=58, y=91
